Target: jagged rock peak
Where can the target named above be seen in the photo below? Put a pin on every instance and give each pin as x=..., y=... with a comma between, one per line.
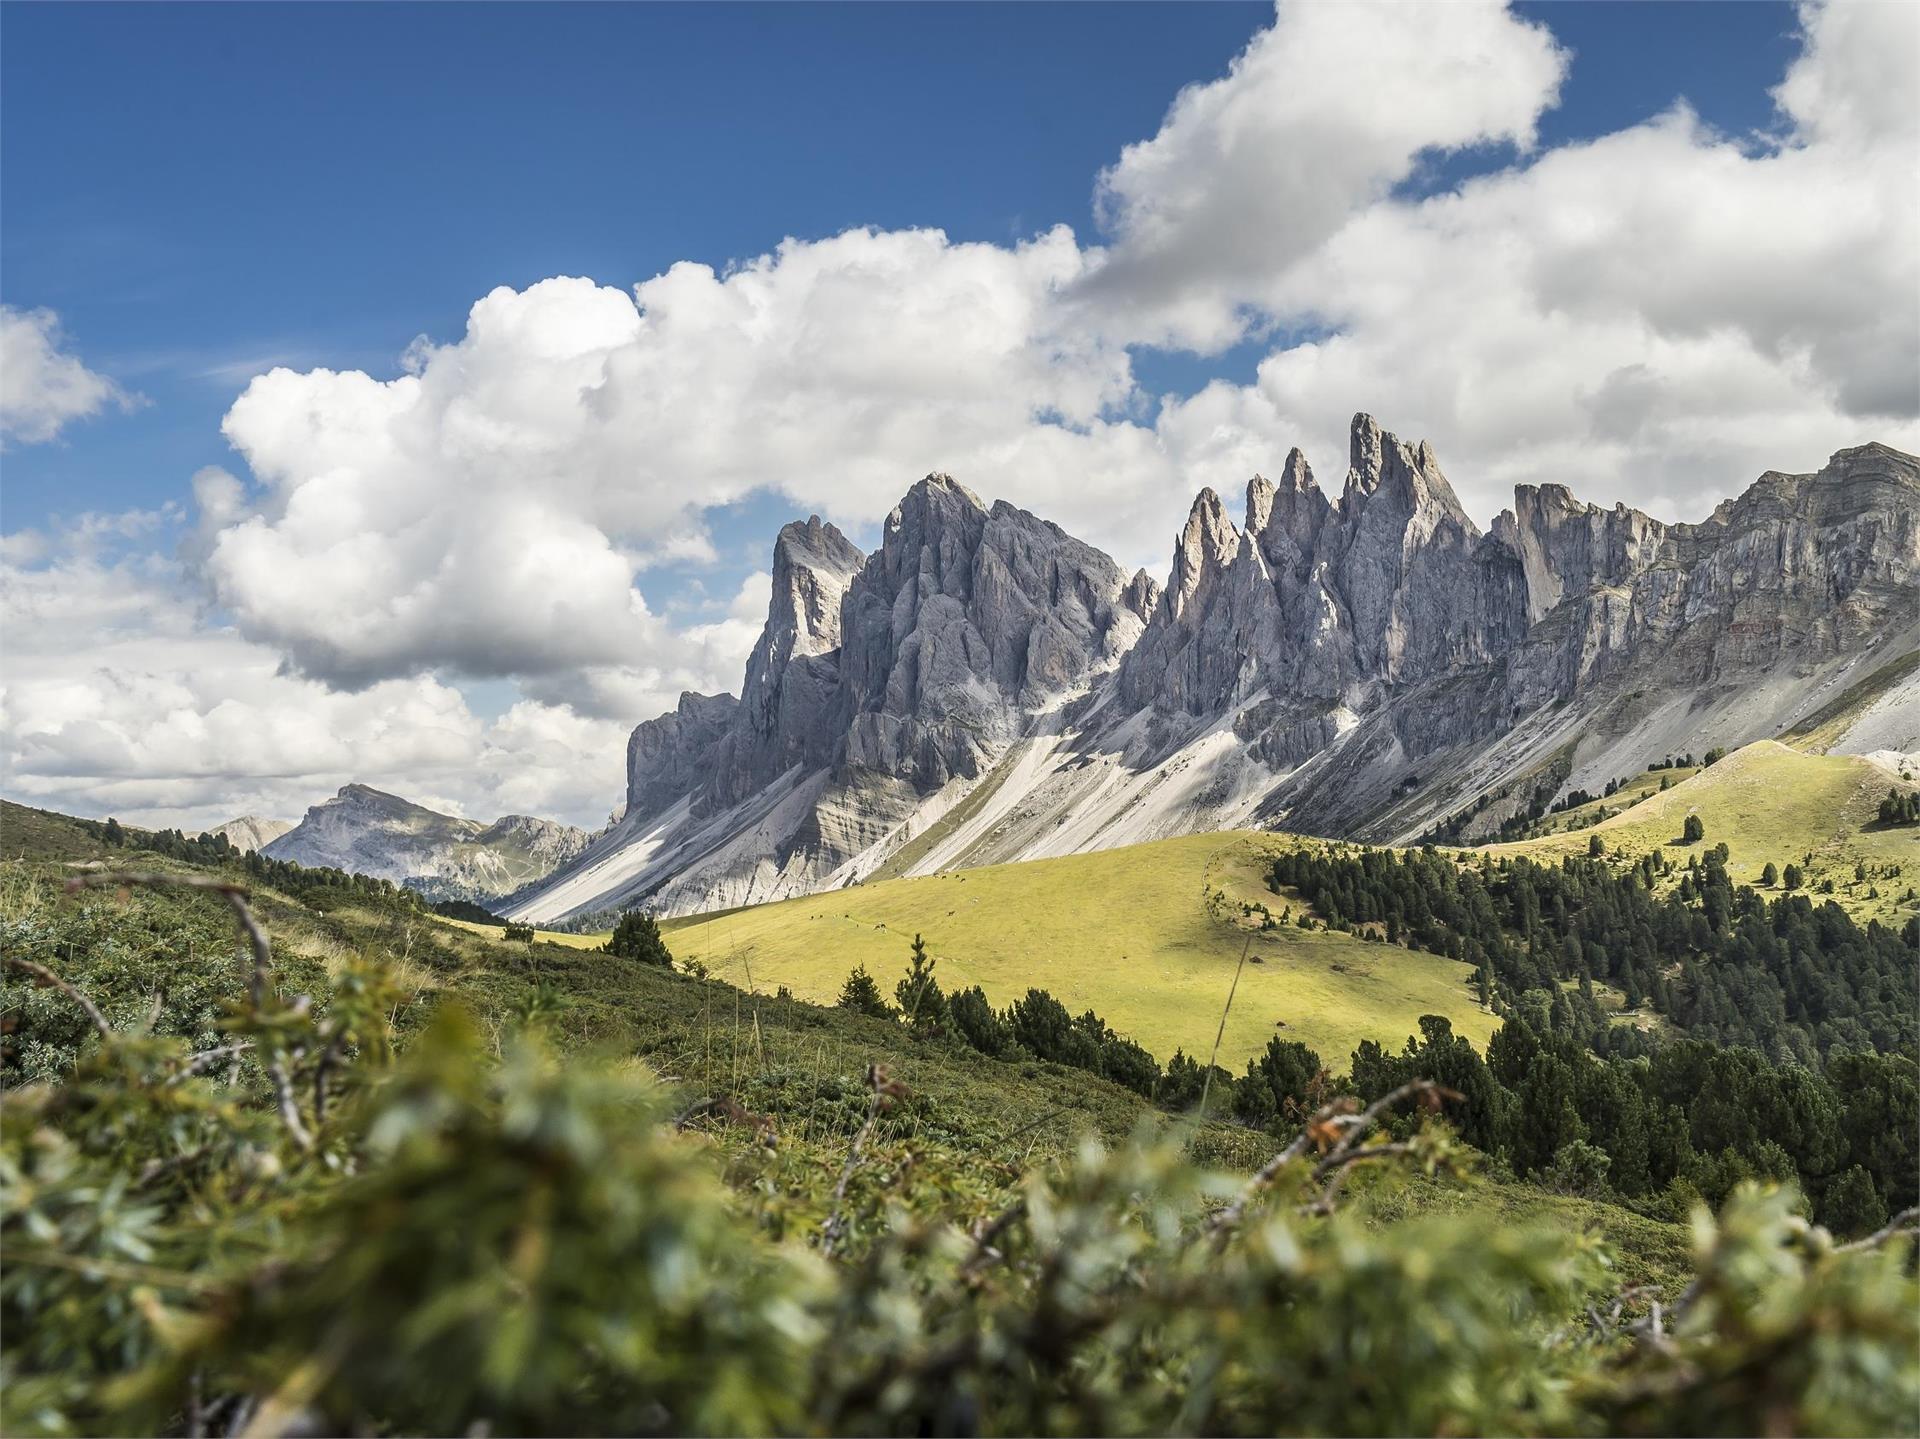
x=1380, y=460
x=1296, y=474
x=934, y=489
x=812, y=563
x=1141, y=594
x=1208, y=542
x=1259, y=503
x=816, y=544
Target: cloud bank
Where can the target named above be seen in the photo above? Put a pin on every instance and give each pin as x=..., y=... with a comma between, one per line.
x=1653, y=316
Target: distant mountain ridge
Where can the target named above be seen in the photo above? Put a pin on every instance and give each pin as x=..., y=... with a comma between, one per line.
x=367, y=831
x=984, y=687
x=250, y=832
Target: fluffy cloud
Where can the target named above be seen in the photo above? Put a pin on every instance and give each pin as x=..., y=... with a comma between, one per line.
x=1321, y=115
x=1653, y=316
x=487, y=511
x=42, y=388
x=166, y=718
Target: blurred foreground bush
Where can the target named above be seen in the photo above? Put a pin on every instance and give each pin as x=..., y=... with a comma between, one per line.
x=265, y=1224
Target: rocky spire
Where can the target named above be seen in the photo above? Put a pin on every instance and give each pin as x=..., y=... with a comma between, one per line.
x=812, y=565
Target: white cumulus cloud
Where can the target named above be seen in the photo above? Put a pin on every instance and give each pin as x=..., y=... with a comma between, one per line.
x=43, y=389
x=121, y=698
x=1654, y=315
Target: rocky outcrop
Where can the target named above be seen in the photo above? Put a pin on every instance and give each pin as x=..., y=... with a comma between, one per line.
x=1363, y=665
x=367, y=831
x=250, y=832
x=963, y=624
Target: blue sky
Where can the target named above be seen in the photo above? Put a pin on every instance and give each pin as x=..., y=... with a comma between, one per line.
x=201, y=192
x=1642, y=248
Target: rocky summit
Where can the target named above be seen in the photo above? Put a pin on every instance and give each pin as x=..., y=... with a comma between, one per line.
x=368, y=831
x=985, y=687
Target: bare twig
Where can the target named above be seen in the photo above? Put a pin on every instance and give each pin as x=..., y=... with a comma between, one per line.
x=322, y=1071
x=984, y=1254
x=1206, y=1083
x=834, y=1230
x=257, y=943
x=235, y=895
x=1907, y=1221
x=47, y=977
x=289, y=1110
x=207, y=1058
x=1327, y=1123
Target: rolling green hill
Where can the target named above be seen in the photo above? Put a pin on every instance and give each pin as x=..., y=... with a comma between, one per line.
x=1769, y=802
x=1150, y=936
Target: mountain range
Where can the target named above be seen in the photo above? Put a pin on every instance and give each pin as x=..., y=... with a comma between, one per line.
x=985, y=687
x=368, y=831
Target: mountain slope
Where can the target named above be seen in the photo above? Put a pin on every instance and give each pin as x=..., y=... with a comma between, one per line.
x=367, y=831
x=984, y=688
x=1770, y=803
x=1149, y=936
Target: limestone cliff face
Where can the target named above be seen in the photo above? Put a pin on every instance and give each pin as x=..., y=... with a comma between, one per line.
x=672, y=756
x=1359, y=666
x=787, y=697
x=1798, y=569
x=1320, y=605
x=250, y=832
x=965, y=622
x=879, y=680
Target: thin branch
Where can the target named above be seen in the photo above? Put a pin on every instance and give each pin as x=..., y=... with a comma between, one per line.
x=262, y=950
x=834, y=1230
x=1206, y=1084
x=1907, y=1221
x=235, y=894
x=1328, y=1121
x=322, y=1071
x=984, y=1254
x=207, y=1058
x=51, y=980
x=119, y=1270
x=289, y=1108
x=154, y=1168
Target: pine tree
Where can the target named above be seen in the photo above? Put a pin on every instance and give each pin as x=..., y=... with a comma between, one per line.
x=637, y=937
x=861, y=995
x=1793, y=877
x=922, y=1004
x=1852, y=1205
x=1769, y=876
x=1693, y=831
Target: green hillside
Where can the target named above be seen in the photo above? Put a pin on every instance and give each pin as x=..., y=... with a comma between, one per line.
x=425, y=1127
x=1770, y=803
x=1150, y=936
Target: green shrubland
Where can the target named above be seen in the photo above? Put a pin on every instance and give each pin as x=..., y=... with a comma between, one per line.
x=395, y=1176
